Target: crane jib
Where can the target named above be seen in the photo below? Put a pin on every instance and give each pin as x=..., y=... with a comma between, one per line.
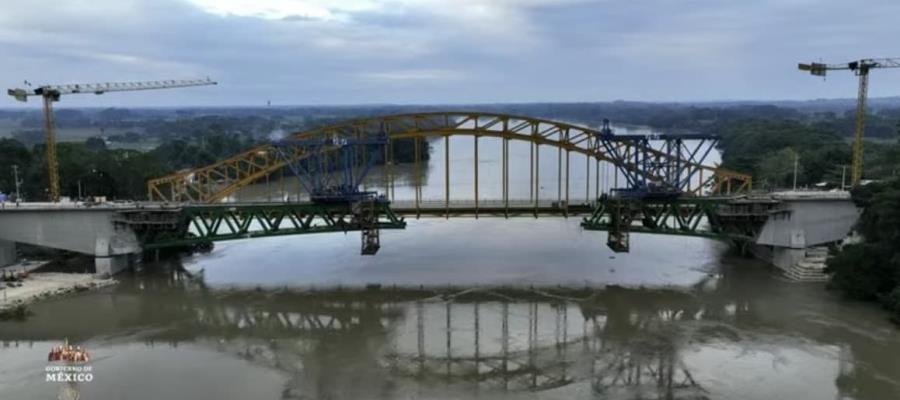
x=51, y=93
x=100, y=88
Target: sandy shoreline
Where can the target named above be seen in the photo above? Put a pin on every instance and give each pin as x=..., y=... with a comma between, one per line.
x=43, y=285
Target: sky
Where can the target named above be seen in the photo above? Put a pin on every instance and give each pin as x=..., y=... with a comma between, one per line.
x=343, y=52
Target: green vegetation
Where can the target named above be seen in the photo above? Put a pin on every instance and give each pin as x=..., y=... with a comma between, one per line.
x=100, y=166
x=870, y=270
x=98, y=171
x=767, y=149
x=760, y=139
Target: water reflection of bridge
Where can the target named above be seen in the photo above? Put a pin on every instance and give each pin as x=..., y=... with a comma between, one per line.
x=506, y=339
x=483, y=339
x=612, y=342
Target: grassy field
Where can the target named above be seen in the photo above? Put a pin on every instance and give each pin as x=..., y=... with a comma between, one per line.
x=143, y=145
x=8, y=126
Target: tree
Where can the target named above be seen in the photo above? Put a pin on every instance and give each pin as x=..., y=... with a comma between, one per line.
x=12, y=152
x=871, y=270
x=95, y=143
x=776, y=170
x=29, y=137
x=766, y=148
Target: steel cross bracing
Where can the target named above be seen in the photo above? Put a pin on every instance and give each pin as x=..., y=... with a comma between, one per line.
x=702, y=217
x=330, y=176
x=329, y=172
x=667, y=158
x=674, y=164
x=200, y=225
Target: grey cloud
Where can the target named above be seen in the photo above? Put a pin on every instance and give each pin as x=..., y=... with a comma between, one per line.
x=542, y=51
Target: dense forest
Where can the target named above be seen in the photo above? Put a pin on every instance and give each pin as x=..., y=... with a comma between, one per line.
x=870, y=270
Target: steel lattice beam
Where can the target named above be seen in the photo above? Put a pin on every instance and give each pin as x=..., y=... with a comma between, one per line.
x=216, y=182
x=200, y=225
x=700, y=217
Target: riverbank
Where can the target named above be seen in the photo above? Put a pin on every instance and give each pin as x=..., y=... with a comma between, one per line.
x=43, y=285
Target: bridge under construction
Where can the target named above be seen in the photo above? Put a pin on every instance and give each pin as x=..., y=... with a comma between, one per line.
x=331, y=162
x=662, y=184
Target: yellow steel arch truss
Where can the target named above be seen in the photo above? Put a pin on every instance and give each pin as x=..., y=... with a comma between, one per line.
x=215, y=182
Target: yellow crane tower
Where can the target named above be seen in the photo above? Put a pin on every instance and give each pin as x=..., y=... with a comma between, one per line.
x=51, y=93
x=861, y=69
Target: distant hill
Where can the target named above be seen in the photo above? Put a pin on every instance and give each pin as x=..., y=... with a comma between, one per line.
x=815, y=105
x=806, y=106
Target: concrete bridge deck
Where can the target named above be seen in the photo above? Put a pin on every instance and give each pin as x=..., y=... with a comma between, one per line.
x=801, y=220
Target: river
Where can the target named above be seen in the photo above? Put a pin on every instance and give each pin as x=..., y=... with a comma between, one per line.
x=459, y=308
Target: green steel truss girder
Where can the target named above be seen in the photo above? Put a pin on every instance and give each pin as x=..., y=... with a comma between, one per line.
x=203, y=224
x=684, y=216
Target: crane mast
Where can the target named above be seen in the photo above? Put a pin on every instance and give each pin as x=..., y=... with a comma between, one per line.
x=51, y=93
x=861, y=69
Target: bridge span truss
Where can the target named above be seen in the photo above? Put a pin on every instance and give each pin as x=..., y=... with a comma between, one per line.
x=199, y=226
x=673, y=167
x=727, y=218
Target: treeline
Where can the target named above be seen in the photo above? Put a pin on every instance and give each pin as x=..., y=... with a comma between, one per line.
x=763, y=140
x=92, y=169
x=711, y=119
x=100, y=172
x=840, y=117
x=768, y=149
x=870, y=270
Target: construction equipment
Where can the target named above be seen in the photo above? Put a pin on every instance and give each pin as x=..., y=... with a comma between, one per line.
x=671, y=158
x=51, y=93
x=328, y=172
x=861, y=69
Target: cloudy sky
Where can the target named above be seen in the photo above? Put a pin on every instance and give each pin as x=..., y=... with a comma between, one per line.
x=313, y=52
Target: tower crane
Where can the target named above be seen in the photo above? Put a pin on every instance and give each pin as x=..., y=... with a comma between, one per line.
x=861, y=69
x=51, y=93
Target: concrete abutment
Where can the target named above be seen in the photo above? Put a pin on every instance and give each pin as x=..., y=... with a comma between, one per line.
x=7, y=252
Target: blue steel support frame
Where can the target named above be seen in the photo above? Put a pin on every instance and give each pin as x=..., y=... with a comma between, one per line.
x=671, y=158
x=314, y=173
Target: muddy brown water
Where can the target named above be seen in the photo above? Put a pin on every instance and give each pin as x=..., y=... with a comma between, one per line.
x=490, y=309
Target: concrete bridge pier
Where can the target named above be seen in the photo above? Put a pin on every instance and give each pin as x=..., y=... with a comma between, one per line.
x=7, y=252
x=106, y=263
x=797, y=234
x=111, y=265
